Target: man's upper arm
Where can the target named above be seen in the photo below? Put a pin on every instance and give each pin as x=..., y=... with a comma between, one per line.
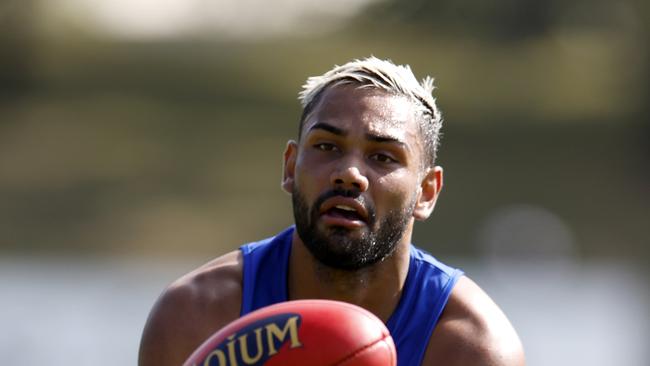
x=163, y=341
x=473, y=331
x=190, y=310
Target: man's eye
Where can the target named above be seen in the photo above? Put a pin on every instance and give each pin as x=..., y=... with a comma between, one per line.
x=323, y=146
x=382, y=158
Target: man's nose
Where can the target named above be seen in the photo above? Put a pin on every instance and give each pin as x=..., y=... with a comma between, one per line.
x=348, y=176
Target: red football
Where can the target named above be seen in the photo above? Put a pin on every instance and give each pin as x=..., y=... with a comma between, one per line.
x=300, y=333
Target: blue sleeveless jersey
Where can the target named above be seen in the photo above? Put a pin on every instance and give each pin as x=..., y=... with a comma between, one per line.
x=425, y=293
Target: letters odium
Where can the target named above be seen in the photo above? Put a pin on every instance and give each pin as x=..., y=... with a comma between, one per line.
x=256, y=343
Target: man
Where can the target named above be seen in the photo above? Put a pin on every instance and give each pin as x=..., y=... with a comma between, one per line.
x=361, y=172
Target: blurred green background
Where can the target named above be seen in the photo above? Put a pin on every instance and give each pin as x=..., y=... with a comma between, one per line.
x=154, y=129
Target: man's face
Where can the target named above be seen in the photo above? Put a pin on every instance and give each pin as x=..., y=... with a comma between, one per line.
x=355, y=176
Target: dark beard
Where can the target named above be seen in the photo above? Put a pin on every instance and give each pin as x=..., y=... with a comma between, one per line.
x=335, y=248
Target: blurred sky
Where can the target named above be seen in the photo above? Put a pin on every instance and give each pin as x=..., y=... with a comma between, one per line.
x=141, y=138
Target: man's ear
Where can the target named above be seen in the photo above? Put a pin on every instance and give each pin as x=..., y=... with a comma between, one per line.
x=430, y=187
x=289, y=167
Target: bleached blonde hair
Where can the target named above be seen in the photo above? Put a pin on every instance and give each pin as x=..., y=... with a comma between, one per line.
x=372, y=72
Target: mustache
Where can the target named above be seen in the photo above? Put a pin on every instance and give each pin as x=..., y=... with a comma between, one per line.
x=348, y=193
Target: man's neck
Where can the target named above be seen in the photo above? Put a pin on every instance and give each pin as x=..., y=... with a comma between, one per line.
x=376, y=288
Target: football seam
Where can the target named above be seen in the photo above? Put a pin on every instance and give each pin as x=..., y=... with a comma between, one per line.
x=360, y=350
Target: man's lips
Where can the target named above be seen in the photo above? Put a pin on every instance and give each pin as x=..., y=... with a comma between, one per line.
x=344, y=209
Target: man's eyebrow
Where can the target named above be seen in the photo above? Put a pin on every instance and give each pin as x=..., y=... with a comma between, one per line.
x=369, y=136
x=385, y=139
x=329, y=128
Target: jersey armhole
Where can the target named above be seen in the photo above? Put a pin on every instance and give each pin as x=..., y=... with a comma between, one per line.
x=440, y=305
x=247, y=287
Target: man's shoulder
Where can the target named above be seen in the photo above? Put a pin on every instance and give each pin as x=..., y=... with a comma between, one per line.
x=191, y=309
x=214, y=281
x=472, y=330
